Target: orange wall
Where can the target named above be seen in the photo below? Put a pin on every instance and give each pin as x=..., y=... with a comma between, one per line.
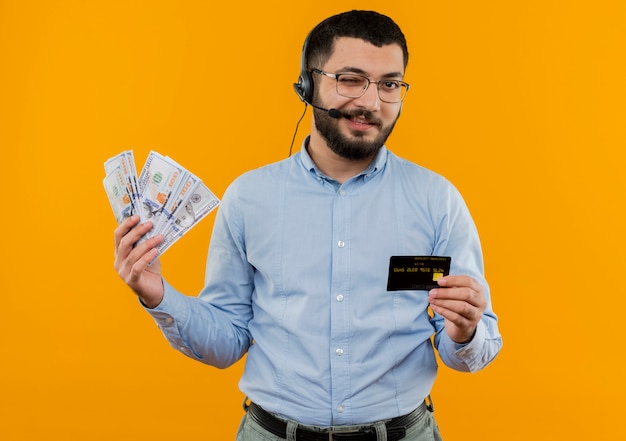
x=520, y=103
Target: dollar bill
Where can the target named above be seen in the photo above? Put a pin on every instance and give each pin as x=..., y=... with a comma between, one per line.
x=124, y=164
x=158, y=181
x=118, y=194
x=198, y=205
x=166, y=193
x=178, y=201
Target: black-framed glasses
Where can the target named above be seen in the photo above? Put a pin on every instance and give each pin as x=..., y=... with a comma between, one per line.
x=354, y=86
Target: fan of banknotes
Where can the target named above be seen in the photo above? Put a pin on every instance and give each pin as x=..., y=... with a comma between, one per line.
x=165, y=193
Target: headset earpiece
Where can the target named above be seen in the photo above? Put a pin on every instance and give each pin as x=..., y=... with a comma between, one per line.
x=304, y=86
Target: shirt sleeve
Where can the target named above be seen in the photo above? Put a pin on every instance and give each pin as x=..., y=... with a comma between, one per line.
x=457, y=237
x=476, y=354
x=213, y=327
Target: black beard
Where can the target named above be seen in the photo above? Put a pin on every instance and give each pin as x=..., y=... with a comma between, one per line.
x=353, y=149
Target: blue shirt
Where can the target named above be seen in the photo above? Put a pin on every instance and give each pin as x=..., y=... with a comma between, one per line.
x=297, y=278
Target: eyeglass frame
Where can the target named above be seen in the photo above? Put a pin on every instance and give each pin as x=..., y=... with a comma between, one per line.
x=337, y=75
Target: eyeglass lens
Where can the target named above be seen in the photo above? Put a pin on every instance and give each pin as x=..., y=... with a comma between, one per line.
x=354, y=86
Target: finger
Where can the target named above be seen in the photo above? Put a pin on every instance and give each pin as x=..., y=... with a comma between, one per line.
x=457, y=311
x=128, y=255
x=124, y=228
x=462, y=301
x=463, y=294
x=140, y=266
x=459, y=328
x=129, y=239
x=450, y=281
x=127, y=252
x=453, y=316
x=463, y=288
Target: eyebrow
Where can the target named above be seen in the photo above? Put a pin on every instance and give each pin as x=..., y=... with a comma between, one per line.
x=360, y=71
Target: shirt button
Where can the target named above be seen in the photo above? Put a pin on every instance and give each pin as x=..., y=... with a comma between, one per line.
x=340, y=298
x=341, y=244
x=340, y=408
x=169, y=320
x=342, y=193
x=339, y=351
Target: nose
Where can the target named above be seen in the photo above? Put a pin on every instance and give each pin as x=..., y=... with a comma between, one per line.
x=370, y=99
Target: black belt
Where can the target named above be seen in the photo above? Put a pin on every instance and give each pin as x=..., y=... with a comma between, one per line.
x=396, y=427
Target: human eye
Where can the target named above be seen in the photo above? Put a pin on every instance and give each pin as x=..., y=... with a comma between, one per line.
x=350, y=80
x=390, y=86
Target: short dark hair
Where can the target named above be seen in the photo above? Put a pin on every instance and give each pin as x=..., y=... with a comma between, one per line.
x=370, y=26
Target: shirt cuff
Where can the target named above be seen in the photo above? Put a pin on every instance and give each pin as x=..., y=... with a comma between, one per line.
x=464, y=357
x=471, y=352
x=171, y=315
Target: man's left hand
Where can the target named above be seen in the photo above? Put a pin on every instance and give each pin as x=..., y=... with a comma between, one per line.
x=461, y=301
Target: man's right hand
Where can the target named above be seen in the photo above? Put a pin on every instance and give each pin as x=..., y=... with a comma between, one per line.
x=131, y=262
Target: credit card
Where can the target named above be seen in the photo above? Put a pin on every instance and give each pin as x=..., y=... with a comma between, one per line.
x=416, y=272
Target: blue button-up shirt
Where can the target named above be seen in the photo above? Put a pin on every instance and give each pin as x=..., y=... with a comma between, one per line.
x=297, y=277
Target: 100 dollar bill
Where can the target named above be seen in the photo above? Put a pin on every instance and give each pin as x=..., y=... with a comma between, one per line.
x=165, y=193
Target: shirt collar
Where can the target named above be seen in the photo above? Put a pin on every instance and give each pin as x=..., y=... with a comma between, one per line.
x=375, y=167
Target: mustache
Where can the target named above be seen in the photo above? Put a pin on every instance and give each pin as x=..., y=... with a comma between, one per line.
x=366, y=114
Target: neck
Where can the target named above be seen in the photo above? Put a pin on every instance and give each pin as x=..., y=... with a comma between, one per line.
x=331, y=164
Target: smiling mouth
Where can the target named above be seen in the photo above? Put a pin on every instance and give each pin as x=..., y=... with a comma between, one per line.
x=362, y=120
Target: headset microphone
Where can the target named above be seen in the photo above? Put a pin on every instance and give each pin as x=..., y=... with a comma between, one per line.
x=333, y=113
x=305, y=93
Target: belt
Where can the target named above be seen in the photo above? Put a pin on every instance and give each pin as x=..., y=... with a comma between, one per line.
x=396, y=427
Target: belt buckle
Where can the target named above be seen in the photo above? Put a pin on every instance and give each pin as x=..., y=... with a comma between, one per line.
x=366, y=431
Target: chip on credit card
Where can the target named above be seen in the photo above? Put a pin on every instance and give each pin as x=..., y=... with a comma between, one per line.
x=416, y=272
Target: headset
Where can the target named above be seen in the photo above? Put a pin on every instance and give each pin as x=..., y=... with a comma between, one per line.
x=304, y=86
x=304, y=89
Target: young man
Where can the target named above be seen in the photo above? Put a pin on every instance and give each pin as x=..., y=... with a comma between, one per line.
x=298, y=267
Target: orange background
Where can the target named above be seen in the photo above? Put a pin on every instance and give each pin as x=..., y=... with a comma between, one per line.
x=520, y=103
